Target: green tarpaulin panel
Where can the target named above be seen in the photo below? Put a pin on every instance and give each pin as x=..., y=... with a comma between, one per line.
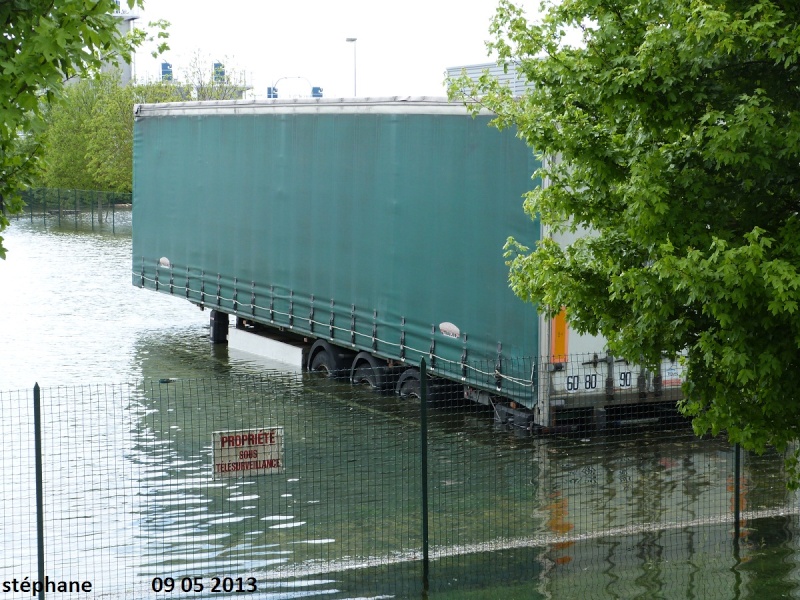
x=391, y=215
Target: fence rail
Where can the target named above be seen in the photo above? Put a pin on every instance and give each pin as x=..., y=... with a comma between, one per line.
x=180, y=487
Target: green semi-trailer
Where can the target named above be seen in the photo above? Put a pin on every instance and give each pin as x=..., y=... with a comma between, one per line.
x=370, y=230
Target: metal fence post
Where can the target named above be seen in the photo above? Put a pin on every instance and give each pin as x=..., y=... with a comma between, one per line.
x=37, y=436
x=737, y=508
x=423, y=407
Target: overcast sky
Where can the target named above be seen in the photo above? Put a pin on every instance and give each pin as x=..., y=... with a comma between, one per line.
x=402, y=48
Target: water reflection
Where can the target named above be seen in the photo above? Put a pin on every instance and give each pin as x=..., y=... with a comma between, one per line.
x=652, y=517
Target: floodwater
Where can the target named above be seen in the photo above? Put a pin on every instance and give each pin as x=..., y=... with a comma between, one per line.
x=132, y=391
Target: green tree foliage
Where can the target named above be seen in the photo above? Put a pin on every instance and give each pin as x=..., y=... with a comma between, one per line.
x=109, y=148
x=87, y=142
x=65, y=136
x=675, y=125
x=44, y=43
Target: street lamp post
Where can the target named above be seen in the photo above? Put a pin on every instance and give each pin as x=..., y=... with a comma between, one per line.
x=353, y=40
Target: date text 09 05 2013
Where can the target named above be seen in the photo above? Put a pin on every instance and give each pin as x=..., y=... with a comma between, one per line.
x=199, y=584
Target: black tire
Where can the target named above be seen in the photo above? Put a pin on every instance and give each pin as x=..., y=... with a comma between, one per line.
x=438, y=390
x=371, y=372
x=329, y=361
x=322, y=364
x=408, y=385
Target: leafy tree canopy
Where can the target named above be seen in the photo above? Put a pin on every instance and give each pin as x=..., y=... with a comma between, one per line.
x=87, y=140
x=43, y=44
x=675, y=125
x=109, y=148
x=65, y=135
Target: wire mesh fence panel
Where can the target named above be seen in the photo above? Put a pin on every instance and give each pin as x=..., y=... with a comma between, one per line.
x=18, y=507
x=288, y=485
x=139, y=501
x=604, y=492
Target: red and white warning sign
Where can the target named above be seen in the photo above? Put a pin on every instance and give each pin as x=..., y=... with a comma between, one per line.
x=248, y=452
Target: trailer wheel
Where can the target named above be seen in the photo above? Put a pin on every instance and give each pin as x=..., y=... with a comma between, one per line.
x=437, y=390
x=328, y=360
x=370, y=371
x=408, y=386
x=322, y=364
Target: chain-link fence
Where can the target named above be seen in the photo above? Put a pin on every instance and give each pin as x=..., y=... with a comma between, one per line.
x=79, y=209
x=290, y=485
